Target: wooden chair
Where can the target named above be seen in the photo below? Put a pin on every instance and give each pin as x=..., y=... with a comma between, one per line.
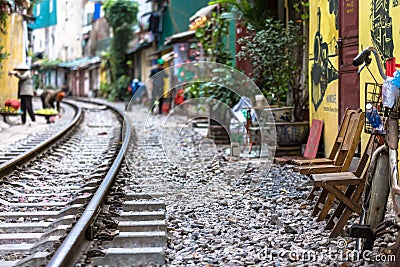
x=346, y=150
x=347, y=187
x=336, y=146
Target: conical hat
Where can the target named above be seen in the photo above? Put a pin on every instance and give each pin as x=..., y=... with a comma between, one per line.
x=21, y=66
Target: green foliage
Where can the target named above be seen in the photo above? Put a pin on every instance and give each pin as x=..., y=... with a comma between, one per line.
x=37, y=83
x=5, y=9
x=48, y=64
x=120, y=12
x=211, y=90
x=8, y=7
x=118, y=55
x=3, y=55
x=119, y=89
x=105, y=89
x=33, y=4
x=122, y=86
x=121, y=15
x=254, y=13
x=211, y=38
x=217, y=91
x=275, y=53
x=302, y=7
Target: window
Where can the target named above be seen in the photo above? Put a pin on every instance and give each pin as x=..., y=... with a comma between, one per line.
x=66, y=10
x=38, y=9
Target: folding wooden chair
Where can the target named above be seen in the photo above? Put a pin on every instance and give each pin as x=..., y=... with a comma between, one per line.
x=347, y=187
x=346, y=151
x=336, y=146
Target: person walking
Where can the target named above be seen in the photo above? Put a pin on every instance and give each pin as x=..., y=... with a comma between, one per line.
x=25, y=90
x=136, y=88
x=157, y=75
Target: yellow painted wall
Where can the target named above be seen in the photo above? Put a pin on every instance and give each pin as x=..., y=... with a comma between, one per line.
x=323, y=68
x=13, y=43
x=388, y=48
x=103, y=75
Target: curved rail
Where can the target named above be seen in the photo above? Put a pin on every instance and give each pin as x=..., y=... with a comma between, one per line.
x=9, y=166
x=66, y=253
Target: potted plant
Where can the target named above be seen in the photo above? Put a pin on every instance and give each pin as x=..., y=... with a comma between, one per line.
x=276, y=54
x=276, y=51
x=219, y=101
x=220, y=98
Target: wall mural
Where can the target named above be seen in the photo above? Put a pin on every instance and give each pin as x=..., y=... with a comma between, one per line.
x=381, y=28
x=323, y=71
x=333, y=9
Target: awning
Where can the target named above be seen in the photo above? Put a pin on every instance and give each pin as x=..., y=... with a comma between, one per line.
x=160, y=50
x=168, y=56
x=203, y=12
x=182, y=36
x=138, y=47
x=45, y=64
x=80, y=63
x=86, y=29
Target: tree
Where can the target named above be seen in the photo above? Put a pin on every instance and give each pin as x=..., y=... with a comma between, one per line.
x=277, y=50
x=275, y=56
x=122, y=17
x=6, y=8
x=211, y=37
x=253, y=13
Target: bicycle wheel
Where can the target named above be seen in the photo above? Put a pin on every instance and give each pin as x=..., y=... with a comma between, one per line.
x=379, y=192
x=376, y=193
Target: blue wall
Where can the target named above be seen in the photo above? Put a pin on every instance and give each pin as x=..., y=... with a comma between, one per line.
x=43, y=17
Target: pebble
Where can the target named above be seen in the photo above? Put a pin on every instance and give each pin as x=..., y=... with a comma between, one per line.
x=215, y=219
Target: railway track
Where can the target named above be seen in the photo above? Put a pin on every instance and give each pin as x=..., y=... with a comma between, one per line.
x=67, y=203
x=29, y=148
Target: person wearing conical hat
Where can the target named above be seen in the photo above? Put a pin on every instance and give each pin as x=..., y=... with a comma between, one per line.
x=25, y=90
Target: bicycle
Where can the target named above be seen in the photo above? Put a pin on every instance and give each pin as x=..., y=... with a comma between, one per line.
x=382, y=174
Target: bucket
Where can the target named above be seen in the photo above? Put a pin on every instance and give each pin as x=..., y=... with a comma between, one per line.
x=165, y=107
x=260, y=99
x=235, y=149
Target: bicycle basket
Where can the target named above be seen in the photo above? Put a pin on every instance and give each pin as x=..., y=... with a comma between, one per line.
x=373, y=95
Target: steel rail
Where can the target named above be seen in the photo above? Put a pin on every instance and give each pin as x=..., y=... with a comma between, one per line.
x=24, y=157
x=66, y=254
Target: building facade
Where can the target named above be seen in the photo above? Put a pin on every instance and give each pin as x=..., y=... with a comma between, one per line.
x=339, y=30
x=57, y=29
x=68, y=36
